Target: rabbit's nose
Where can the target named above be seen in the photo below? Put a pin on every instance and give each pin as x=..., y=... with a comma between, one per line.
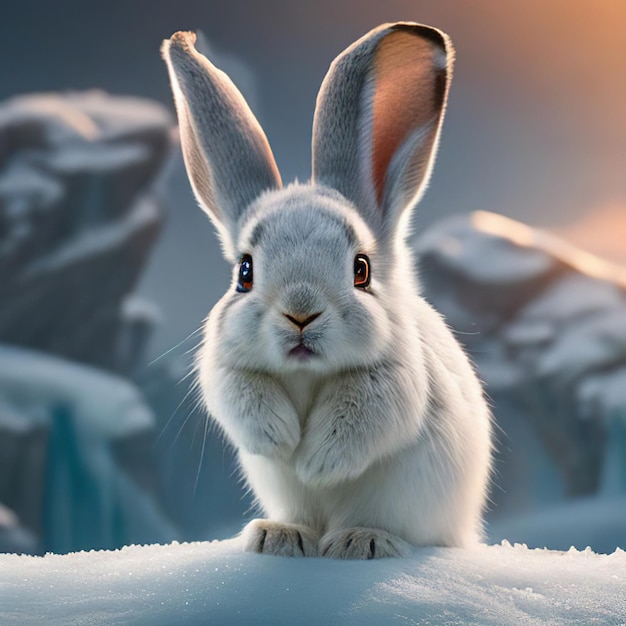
x=302, y=320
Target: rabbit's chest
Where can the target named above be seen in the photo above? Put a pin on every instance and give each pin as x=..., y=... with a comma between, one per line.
x=301, y=389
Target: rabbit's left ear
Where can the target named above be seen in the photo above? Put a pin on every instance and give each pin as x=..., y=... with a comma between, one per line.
x=377, y=120
x=227, y=156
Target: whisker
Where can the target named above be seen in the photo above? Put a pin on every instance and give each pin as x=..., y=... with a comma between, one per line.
x=191, y=371
x=180, y=343
x=191, y=389
x=206, y=426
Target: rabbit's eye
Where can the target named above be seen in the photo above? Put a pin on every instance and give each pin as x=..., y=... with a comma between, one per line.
x=244, y=283
x=361, y=271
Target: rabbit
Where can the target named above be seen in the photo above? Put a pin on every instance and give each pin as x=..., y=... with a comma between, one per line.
x=360, y=424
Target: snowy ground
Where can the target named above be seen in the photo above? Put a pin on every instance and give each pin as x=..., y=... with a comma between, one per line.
x=207, y=583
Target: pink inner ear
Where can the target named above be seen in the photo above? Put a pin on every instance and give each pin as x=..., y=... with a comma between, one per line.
x=404, y=97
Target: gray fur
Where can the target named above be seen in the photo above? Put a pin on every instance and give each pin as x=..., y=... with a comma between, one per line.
x=342, y=131
x=227, y=155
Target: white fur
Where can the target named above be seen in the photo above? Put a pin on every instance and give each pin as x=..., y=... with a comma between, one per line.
x=381, y=438
x=321, y=444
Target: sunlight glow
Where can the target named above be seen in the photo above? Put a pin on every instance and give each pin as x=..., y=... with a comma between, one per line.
x=525, y=236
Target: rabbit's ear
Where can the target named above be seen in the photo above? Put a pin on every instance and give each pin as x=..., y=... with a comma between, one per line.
x=377, y=120
x=228, y=158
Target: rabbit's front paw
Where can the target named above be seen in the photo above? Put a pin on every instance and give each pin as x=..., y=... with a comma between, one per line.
x=362, y=543
x=270, y=424
x=325, y=458
x=273, y=436
x=267, y=537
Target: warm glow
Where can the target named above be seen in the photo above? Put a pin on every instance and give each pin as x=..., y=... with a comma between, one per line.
x=522, y=235
x=601, y=231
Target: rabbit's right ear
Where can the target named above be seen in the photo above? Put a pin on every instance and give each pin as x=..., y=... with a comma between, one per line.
x=227, y=156
x=377, y=121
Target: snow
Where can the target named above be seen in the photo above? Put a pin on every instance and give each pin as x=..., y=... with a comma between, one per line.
x=85, y=115
x=571, y=297
x=539, y=241
x=98, y=241
x=96, y=158
x=480, y=257
x=593, y=344
x=135, y=307
x=13, y=537
x=33, y=382
x=7, y=517
x=203, y=583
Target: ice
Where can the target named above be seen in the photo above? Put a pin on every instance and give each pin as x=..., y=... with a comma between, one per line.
x=64, y=465
x=204, y=583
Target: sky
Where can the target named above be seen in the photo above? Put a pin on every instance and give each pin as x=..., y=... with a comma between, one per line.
x=535, y=129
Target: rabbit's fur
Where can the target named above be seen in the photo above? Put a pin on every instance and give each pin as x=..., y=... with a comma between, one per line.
x=359, y=422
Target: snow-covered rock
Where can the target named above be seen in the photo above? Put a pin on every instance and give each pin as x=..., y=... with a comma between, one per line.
x=109, y=406
x=546, y=325
x=62, y=428
x=79, y=212
x=216, y=583
x=78, y=217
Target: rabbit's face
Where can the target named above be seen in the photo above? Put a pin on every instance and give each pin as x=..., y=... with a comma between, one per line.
x=301, y=297
x=308, y=290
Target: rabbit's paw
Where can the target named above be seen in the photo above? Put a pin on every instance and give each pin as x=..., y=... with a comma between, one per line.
x=327, y=456
x=273, y=436
x=270, y=425
x=267, y=537
x=362, y=543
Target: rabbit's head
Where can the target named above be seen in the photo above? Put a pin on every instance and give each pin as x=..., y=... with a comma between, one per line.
x=319, y=270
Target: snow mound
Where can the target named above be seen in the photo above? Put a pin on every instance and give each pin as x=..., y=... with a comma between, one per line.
x=201, y=583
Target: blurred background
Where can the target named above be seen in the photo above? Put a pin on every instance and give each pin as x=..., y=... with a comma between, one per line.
x=107, y=267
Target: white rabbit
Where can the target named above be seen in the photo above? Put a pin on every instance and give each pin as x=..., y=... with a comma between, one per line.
x=360, y=424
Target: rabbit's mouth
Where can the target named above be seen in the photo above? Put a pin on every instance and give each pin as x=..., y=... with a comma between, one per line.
x=301, y=352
